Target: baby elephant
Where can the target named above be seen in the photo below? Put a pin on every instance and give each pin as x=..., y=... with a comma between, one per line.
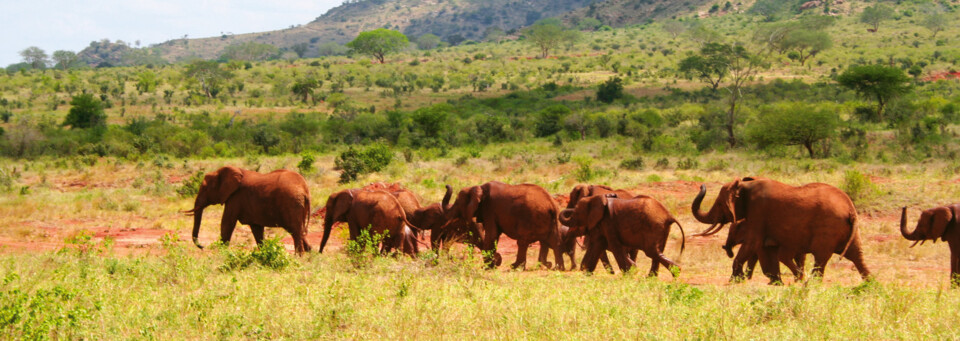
x=621, y=225
x=938, y=223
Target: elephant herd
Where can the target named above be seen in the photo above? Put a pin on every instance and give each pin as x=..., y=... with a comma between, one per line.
x=771, y=222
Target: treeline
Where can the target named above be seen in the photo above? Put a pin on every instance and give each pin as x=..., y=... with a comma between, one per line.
x=782, y=118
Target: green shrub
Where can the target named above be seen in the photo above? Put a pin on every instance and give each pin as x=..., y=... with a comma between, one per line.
x=858, y=186
x=353, y=162
x=632, y=164
x=306, y=163
x=271, y=255
x=364, y=248
x=610, y=90
x=190, y=186
x=688, y=163
x=584, y=171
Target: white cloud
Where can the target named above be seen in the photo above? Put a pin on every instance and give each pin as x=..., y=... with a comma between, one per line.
x=72, y=25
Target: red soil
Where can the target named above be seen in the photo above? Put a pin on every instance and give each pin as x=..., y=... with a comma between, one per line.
x=942, y=76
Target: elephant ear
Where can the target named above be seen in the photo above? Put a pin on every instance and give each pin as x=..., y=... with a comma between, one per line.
x=578, y=192
x=596, y=209
x=730, y=202
x=229, y=180
x=475, y=196
x=341, y=205
x=938, y=224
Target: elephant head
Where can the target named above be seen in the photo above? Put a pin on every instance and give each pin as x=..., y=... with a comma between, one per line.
x=727, y=208
x=338, y=205
x=464, y=210
x=216, y=188
x=433, y=217
x=584, y=217
x=932, y=225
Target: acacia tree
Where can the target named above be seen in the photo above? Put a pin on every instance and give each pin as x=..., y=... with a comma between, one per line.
x=675, y=28
x=379, y=43
x=304, y=87
x=547, y=35
x=710, y=66
x=877, y=81
x=876, y=14
x=935, y=21
x=794, y=123
x=209, y=74
x=743, y=66
x=35, y=56
x=86, y=111
x=428, y=41
x=64, y=58
x=806, y=44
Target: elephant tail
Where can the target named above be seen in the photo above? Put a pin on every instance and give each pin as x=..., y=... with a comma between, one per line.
x=854, y=232
x=683, y=237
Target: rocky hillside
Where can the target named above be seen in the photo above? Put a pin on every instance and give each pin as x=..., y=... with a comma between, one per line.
x=452, y=20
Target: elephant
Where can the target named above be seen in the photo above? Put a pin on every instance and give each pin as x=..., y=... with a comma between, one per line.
x=379, y=210
x=584, y=191
x=431, y=217
x=938, y=223
x=775, y=221
x=622, y=225
x=524, y=212
x=277, y=199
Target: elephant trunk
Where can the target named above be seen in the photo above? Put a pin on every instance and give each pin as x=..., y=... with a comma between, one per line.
x=327, y=227
x=445, y=203
x=706, y=218
x=197, y=218
x=565, y=217
x=915, y=235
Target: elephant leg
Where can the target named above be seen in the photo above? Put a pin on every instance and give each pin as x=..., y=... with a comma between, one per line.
x=257, y=233
x=542, y=255
x=820, y=260
x=794, y=269
x=594, y=249
x=572, y=253
x=770, y=264
x=489, y=249
x=227, y=223
x=751, y=265
x=635, y=252
x=521, y=262
x=620, y=254
x=659, y=259
x=743, y=255
x=654, y=267
x=602, y=256
x=855, y=255
x=954, y=270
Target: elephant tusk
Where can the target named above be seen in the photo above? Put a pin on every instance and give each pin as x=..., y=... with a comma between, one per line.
x=914, y=243
x=188, y=212
x=713, y=229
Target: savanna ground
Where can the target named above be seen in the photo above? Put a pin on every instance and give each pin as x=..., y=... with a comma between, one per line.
x=102, y=251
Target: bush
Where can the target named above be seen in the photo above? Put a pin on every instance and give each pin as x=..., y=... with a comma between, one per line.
x=610, y=90
x=306, y=163
x=858, y=186
x=86, y=112
x=190, y=186
x=363, y=249
x=632, y=164
x=584, y=172
x=688, y=163
x=271, y=255
x=354, y=163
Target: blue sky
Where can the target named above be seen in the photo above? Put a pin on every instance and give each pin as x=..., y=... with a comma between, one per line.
x=71, y=25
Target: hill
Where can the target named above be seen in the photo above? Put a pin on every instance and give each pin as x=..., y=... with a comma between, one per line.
x=454, y=21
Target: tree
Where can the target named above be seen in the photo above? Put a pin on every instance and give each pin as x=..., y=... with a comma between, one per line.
x=300, y=49
x=610, y=90
x=266, y=136
x=379, y=43
x=935, y=21
x=794, y=123
x=147, y=81
x=548, y=119
x=769, y=9
x=86, y=111
x=304, y=87
x=743, y=66
x=34, y=56
x=64, y=58
x=711, y=65
x=807, y=43
x=428, y=41
x=876, y=14
x=588, y=24
x=675, y=28
x=876, y=81
x=546, y=35
x=702, y=35
x=209, y=74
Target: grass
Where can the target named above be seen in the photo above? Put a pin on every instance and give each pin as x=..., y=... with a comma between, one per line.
x=166, y=289
x=184, y=295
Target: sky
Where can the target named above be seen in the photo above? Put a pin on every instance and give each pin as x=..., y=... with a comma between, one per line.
x=72, y=24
